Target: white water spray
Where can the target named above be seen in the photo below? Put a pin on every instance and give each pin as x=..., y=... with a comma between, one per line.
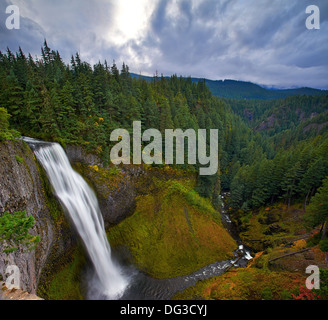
x=82, y=206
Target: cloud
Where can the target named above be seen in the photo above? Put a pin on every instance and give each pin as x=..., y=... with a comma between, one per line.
x=262, y=41
x=241, y=40
x=29, y=34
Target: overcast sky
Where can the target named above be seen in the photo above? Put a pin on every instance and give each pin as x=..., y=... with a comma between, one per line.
x=262, y=41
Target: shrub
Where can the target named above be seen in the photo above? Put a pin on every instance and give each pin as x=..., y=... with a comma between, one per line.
x=285, y=295
x=267, y=294
x=14, y=231
x=4, y=116
x=323, y=244
x=5, y=133
x=322, y=293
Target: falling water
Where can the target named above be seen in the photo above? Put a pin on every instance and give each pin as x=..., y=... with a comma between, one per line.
x=82, y=206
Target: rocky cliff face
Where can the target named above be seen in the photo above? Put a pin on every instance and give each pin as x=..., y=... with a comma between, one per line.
x=22, y=188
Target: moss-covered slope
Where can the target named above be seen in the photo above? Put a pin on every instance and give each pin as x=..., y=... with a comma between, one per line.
x=173, y=231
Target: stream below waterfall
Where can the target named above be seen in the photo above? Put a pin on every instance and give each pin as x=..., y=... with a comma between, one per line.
x=145, y=287
x=109, y=275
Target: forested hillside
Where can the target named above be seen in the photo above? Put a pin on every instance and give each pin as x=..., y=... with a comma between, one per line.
x=232, y=89
x=269, y=150
x=81, y=104
x=296, y=128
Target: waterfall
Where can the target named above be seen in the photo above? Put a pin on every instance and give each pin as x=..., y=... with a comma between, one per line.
x=80, y=202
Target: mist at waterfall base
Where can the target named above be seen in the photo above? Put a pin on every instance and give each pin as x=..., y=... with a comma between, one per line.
x=80, y=202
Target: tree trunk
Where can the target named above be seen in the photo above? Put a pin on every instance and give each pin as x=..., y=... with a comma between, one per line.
x=288, y=203
x=306, y=198
x=290, y=254
x=312, y=193
x=324, y=230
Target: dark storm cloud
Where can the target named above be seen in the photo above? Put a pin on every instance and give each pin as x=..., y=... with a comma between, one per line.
x=247, y=40
x=262, y=41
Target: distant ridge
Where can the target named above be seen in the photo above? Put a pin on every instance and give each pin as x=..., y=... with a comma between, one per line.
x=234, y=89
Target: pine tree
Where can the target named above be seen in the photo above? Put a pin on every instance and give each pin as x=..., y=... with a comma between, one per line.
x=45, y=52
x=291, y=179
x=21, y=68
x=47, y=116
x=85, y=96
x=263, y=188
x=166, y=121
x=32, y=103
x=67, y=110
x=14, y=98
x=151, y=114
x=99, y=86
x=312, y=178
x=115, y=72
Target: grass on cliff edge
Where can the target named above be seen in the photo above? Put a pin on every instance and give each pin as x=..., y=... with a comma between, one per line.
x=173, y=232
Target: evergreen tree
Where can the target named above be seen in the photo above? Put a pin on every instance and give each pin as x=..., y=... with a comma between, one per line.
x=291, y=179
x=31, y=106
x=166, y=121
x=14, y=96
x=317, y=211
x=312, y=178
x=47, y=116
x=4, y=116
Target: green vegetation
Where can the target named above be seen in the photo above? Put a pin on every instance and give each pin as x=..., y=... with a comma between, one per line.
x=318, y=208
x=5, y=133
x=246, y=91
x=80, y=104
x=65, y=283
x=62, y=279
x=270, y=226
x=285, y=141
x=246, y=284
x=14, y=231
x=278, y=115
x=322, y=293
x=273, y=159
x=173, y=231
x=293, y=175
x=19, y=159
